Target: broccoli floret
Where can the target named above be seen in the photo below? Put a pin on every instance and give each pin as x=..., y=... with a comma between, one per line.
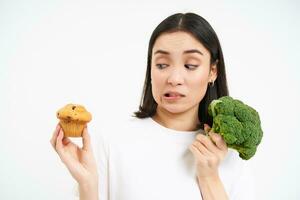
x=238, y=123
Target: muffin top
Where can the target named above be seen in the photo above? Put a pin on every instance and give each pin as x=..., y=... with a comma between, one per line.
x=74, y=112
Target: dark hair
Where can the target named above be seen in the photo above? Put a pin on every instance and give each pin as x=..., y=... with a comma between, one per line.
x=204, y=33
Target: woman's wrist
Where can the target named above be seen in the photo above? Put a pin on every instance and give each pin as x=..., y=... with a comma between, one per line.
x=212, y=188
x=88, y=181
x=88, y=190
x=211, y=178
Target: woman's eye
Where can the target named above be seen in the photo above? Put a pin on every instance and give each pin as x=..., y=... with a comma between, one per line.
x=191, y=66
x=160, y=66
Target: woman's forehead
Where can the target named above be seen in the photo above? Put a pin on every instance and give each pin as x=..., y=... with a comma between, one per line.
x=178, y=43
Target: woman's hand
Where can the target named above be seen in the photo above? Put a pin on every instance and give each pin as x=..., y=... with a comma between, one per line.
x=208, y=153
x=79, y=161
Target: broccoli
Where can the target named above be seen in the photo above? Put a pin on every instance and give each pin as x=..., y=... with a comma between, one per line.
x=238, y=124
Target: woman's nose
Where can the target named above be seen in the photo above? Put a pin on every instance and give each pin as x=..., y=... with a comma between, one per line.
x=175, y=77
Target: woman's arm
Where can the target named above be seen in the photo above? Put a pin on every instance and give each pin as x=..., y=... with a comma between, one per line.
x=212, y=189
x=209, y=153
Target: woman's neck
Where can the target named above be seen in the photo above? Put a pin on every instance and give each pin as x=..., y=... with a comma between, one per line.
x=186, y=121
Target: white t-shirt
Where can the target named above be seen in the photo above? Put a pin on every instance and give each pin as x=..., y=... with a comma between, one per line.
x=139, y=159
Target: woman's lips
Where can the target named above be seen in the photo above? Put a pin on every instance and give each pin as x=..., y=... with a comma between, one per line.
x=177, y=97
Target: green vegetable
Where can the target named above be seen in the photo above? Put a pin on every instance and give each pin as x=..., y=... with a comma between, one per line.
x=238, y=123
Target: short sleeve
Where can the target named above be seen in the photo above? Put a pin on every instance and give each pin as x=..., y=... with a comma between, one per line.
x=244, y=186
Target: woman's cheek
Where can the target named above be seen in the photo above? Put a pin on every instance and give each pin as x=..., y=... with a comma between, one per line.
x=198, y=91
x=157, y=94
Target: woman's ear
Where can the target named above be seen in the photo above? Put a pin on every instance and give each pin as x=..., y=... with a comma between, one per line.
x=213, y=71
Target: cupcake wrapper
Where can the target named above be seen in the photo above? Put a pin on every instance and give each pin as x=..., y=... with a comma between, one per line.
x=72, y=129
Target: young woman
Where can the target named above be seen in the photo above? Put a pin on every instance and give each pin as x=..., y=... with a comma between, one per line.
x=162, y=152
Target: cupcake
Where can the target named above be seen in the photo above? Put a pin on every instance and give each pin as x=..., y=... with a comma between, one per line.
x=73, y=118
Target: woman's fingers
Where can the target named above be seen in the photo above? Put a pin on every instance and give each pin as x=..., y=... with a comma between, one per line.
x=201, y=147
x=206, y=128
x=86, y=140
x=197, y=153
x=207, y=143
x=64, y=156
x=54, y=136
x=58, y=141
x=59, y=145
x=218, y=140
x=66, y=141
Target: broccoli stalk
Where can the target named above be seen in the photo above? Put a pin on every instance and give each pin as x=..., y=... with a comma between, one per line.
x=238, y=124
x=213, y=104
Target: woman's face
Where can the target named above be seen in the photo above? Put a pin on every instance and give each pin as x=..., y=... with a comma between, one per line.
x=180, y=63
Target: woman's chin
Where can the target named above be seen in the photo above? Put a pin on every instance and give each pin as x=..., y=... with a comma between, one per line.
x=175, y=109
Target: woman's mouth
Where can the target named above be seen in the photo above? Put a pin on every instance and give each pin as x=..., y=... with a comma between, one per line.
x=172, y=96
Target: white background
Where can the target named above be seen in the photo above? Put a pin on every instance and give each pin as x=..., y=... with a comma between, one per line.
x=94, y=53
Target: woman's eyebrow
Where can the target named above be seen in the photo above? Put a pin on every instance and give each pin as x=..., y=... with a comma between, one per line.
x=185, y=52
x=161, y=52
x=193, y=51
